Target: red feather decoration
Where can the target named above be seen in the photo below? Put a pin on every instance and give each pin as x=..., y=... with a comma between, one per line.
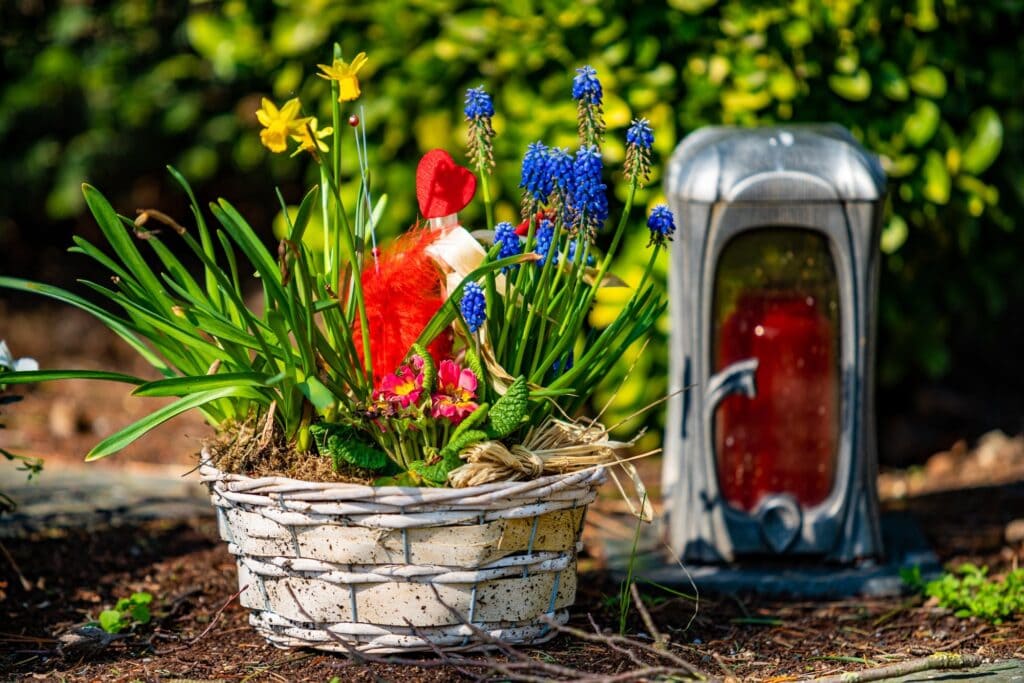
x=402, y=291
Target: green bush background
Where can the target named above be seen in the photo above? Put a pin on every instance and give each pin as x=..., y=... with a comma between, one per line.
x=110, y=95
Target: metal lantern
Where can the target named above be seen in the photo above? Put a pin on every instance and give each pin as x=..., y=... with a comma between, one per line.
x=769, y=443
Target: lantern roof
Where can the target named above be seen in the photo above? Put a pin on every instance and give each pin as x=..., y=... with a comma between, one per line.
x=781, y=163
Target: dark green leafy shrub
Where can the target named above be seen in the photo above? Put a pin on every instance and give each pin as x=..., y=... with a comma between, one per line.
x=101, y=94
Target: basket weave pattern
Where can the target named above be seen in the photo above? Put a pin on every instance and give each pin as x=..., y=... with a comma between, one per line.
x=345, y=567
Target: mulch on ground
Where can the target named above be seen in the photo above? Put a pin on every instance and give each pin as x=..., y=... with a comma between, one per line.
x=76, y=573
x=200, y=632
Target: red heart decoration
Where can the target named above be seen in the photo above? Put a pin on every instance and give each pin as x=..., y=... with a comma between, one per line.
x=442, y=186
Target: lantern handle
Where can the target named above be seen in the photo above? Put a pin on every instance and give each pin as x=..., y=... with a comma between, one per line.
x=737, y=378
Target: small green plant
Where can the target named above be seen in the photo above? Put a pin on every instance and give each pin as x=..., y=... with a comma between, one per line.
x=970, y=592
x=128, y=612
x=628, y=581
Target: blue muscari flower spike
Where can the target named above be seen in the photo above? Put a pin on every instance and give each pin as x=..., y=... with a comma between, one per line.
x=586, y=86
x=586, y=90
x=480, y=141
x=535, y=179
x=473, y=306
x=588, y=202
x=545, y=237
x=560, y=167
x=640, y=134
x=661, y=224
x=639, y=138
x=478, y=103
x=505, y=235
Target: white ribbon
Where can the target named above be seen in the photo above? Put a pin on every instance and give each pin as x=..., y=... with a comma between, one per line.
x=456, y=252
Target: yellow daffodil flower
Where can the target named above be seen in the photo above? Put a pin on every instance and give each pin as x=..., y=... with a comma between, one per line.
x=278, y=124
x=309, y=136
x=345, y=74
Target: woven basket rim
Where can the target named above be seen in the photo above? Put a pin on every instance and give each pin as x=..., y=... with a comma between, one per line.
x=211, y=474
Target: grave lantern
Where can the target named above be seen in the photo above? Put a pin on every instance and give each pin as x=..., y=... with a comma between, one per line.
x=769, y=442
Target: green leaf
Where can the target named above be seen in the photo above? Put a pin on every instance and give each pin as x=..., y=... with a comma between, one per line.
x=928, y=81
x=141, y=614
x=124, y=437
x=892, y=83
x=402, y=479
x=473, y=361
x=184, y=386
x=121, y=241
x=110, y=621
x=911, y=576
x=936, y=178
x=508, y=411
x=920, y=126
x=429, y=371
x=985, y=141
x=855, y=87
x=894, y=235
x=34, y=376
x=244, y=236
x=142, y=598
x=472, y=420
x=436, y=473
x=124, y=329
x=305, y=212
x=319, y=395
x=467, y=438
x=344, y=444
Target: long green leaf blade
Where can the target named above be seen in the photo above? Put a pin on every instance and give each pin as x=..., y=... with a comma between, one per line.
x=121, y=242
x=36, y=376
x=181, y=386
x=126, y=436
x=120, y=327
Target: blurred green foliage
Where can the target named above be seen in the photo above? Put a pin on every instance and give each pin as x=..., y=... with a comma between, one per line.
x=111, y=94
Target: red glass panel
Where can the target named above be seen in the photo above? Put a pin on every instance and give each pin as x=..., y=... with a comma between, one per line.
x=776, y=299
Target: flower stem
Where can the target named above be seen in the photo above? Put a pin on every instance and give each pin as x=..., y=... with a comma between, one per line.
x=485, y=188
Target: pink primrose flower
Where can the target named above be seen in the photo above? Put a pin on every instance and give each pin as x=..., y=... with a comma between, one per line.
x=454, y=397
x=403, y=387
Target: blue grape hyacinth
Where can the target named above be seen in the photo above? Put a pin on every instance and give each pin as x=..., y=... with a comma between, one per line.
x=586, y=87
x=661, y=224
x=588, y=200
x=545, y=243
x=535, y=178
x=511, y=245
x=639, y=138
x=589, y=96
x=480, y=133
x=473, y=306
x=478, y=103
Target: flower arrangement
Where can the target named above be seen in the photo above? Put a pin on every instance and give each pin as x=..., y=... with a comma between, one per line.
x=419, y=362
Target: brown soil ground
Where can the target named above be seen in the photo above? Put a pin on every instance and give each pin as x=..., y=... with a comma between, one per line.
x=199, y=632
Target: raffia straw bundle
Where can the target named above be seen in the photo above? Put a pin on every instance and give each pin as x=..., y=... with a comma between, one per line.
x=554, y=447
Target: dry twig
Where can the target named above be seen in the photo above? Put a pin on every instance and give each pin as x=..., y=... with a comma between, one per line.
x=213, y=622
x=660, y=639
x=937, y=661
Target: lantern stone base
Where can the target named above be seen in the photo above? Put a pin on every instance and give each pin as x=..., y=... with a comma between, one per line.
x=904, y=542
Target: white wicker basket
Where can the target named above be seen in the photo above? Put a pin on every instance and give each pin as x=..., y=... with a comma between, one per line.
x=345, y=567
